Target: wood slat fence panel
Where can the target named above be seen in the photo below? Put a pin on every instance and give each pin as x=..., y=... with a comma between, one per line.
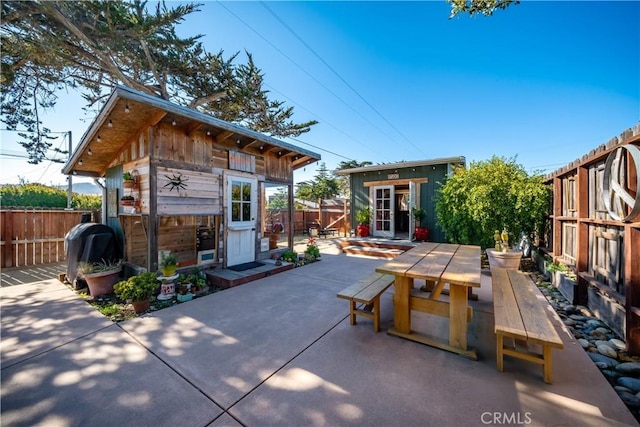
x=33, y=236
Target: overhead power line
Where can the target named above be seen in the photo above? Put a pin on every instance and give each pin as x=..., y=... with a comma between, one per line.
x=310, y=76
x=284, y=24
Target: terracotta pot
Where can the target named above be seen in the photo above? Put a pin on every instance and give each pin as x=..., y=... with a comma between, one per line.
x=141, y=306
x=421, y=233
x=363, y=230
x=508, y=260
x=102, y=283
x=273, y=241
x=128, y=183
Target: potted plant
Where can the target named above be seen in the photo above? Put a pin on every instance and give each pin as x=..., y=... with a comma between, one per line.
x=100, y=276
x=128, y=180
x=198, y=283
x=184, y=288
x=420, y=232
x=138, y=289
x=363, y=217
x=503, y=256
x=127, y=200
x=276, y=229
x=312, y=253
x=169, y=264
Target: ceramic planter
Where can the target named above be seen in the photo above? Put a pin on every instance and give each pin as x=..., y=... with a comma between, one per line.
x=141, y=306
x=508, y=260
x=102, y=283
x=169, y=270
x=363, y=230
x=185, y=297
x=421, y=233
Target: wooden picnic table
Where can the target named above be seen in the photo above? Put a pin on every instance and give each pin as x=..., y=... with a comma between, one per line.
x=438, y=264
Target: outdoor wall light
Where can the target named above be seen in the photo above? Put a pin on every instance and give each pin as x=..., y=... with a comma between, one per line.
x=173, y=123
x=80, y=162
x=208, y=132
x=110, y=124
x=126, y=108
x=89, y=152
x=99, y=139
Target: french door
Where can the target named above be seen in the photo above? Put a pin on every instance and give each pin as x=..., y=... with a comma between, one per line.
x=383, y=211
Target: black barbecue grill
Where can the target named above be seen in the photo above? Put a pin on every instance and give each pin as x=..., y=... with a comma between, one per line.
x=89, y=242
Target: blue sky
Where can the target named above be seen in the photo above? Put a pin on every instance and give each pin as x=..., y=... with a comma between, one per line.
x=392, y=81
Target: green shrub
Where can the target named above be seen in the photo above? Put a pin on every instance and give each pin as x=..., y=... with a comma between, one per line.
x=491, y=195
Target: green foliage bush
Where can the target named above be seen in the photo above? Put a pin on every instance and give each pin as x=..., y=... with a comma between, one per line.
x=39, y=195
x=491, y=195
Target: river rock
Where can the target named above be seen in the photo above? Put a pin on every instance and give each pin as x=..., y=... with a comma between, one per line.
x=607, y=343
x=607, y=351
x=619, y=344
x=578, y=317
x=569, y=322
x=583, y=343
x=596, y=333
x=583, y=310
x=629, y=399
x=597, y=357
x=593, y=322
x=569, y=308
x=629, y=368
x=630, y=383
x=620, y=388
x=610, y=373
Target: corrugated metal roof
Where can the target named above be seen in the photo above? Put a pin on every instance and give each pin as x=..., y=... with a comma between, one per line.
x=460, y=160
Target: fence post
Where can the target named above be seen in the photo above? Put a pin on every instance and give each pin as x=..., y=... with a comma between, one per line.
x=7, y=237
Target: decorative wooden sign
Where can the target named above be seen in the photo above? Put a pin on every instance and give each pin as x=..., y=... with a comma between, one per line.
x=393, y=176
x=618, y=198
x=242, y=162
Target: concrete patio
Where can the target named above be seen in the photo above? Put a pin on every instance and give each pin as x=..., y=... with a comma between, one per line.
x=277, y=351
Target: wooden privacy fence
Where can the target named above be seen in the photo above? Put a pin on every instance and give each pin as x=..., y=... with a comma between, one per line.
x=36, y=236
x=331, y=218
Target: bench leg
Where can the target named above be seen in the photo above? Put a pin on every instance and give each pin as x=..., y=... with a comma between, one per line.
x=376, y=314
x=352, y=311
x=499, y=352
x=547, y=366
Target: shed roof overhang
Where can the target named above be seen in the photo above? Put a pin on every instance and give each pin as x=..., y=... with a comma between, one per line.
x=127, y=113
x=454, y=161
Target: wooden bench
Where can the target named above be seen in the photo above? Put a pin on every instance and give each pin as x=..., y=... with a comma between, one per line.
x=367, y=291
x=325, y=231
x=520, y=312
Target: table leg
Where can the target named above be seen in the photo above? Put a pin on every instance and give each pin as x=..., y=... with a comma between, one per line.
x=402, y=314
x=458, y=303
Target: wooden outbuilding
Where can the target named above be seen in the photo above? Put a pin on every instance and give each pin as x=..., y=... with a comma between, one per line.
x=200, y=186
x=392, y=190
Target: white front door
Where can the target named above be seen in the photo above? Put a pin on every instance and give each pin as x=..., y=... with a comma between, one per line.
x=242, y=196
x=383, y=211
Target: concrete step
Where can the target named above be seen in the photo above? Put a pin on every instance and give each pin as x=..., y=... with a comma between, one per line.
x=372, y=251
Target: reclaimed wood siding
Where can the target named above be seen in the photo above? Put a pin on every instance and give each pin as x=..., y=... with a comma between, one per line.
x=200, y=195
x=36, y=236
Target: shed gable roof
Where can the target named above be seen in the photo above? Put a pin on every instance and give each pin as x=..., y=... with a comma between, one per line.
x=128, y=112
